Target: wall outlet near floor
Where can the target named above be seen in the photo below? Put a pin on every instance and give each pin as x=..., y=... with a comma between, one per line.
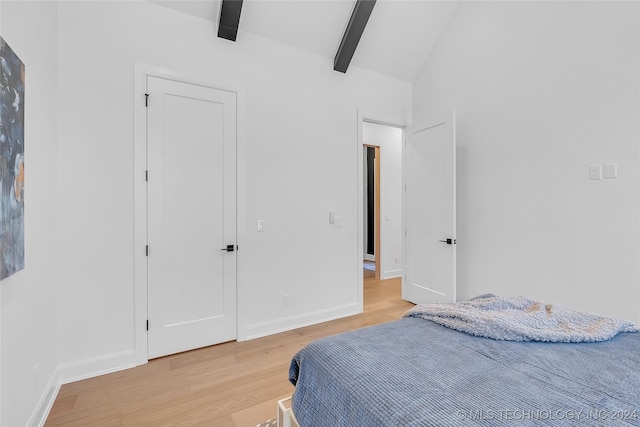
x=285, y=300
x=595, y=172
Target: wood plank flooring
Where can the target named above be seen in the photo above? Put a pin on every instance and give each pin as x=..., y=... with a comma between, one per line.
x=236, y=384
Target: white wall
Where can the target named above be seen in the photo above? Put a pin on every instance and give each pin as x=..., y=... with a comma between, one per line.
x=29, y=313
x=298, y=161
x=389, y=139
x=542, y=91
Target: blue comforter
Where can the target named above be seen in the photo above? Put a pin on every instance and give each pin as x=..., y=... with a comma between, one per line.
x=413, y=372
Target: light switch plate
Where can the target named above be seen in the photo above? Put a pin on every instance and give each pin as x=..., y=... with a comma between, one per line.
x=611, y=170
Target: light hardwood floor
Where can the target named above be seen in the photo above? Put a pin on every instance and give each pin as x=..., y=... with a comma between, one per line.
x=236, y=384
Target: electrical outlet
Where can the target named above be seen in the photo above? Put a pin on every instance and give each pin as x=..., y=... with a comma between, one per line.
x=285, y=300
x=595, y=172
x=397, y=260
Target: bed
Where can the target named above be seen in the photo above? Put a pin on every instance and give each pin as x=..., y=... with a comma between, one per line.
x=414, y=372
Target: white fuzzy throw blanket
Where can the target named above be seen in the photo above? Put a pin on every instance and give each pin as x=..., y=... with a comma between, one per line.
x=521, y=319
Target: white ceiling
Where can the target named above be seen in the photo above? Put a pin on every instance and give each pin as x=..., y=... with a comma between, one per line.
x=398, y=38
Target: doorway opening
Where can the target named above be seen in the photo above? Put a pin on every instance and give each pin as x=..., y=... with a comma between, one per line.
x=371, y=219
x=381, y=189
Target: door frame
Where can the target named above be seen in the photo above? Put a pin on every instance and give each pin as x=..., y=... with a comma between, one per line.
x=376, y=207
x=141, y=72
x=380, y=119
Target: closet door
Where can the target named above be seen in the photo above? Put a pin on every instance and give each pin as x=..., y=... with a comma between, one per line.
x=191, y=216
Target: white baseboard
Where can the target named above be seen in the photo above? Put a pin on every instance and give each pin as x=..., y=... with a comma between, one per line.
x=390, y=274
x=77, y=371
x=97, y=366
x=262, y=329
x=45, y=403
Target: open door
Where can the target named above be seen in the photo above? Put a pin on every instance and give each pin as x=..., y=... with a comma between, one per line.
x=430, y=211
x=372, y=208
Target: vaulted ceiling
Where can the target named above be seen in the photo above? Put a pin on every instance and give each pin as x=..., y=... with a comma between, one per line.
x=396, y=42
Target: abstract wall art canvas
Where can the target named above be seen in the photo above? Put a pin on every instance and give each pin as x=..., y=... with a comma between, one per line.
x=11, y=161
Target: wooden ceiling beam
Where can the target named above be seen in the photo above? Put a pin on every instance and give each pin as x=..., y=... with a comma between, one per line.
x=229, y=19
x=351, y=37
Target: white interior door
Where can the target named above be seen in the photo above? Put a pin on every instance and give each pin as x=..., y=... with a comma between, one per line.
x=191, y=216
x=430, y=211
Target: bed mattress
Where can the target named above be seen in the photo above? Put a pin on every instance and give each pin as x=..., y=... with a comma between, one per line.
x=413, y=372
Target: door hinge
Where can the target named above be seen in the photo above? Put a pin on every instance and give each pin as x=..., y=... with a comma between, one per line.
x=146, y=250
x=146, y=99
x=147, y=324
x=146, y=176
